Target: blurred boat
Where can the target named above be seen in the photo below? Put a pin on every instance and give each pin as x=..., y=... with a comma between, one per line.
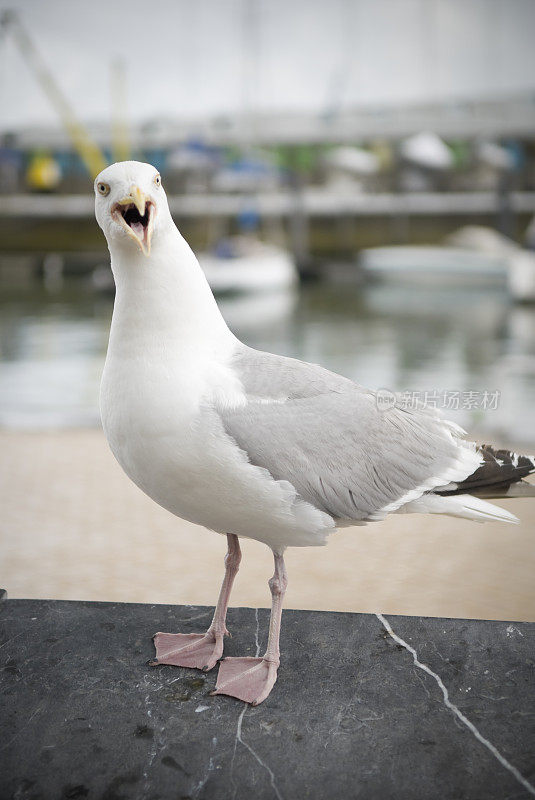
x=473, y=255
x=521, y=276
x=427, y=150
x=246, y=264
x=520, y=262
x=433, y=265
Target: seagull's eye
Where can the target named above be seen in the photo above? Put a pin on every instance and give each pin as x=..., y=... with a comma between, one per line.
x=157, y=180
x=103, y=189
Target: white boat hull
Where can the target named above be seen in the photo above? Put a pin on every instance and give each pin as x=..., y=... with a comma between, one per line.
x=522, y=276
x=422, y=264
x=264, y=268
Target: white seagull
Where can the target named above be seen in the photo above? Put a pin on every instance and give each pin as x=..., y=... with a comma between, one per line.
x=252, y=444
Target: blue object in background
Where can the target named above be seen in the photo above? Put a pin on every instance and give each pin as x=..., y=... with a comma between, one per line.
x=248, y=219
x=517, y=153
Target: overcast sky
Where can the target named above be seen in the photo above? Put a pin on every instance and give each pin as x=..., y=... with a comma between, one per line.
x=191, y=57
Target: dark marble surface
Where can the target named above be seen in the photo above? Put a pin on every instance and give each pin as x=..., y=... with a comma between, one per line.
x=351, y=716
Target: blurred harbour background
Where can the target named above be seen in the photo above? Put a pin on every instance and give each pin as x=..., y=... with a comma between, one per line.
x=358, y=180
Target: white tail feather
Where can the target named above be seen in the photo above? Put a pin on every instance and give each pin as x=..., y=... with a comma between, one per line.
x=459, y=505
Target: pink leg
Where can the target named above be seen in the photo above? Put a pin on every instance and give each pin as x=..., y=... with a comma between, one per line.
x=252, y=679
x=202, y=650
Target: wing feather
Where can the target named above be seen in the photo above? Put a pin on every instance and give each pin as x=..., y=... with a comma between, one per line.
x=327, y=436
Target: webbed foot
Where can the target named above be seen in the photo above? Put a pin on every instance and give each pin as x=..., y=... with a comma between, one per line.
x=199, y=650
x=248, y=679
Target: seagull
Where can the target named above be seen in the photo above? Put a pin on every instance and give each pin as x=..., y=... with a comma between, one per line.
x=252, y=444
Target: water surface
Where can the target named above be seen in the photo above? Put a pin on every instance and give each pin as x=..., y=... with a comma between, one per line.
x=429, y=342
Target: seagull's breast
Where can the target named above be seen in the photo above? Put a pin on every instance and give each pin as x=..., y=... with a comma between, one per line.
x=163, y=428
x=152, y=414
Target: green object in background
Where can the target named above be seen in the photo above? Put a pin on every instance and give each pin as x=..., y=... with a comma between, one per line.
x=232, y=153
x=461, y=151
x=299, y=158
x=305, y=159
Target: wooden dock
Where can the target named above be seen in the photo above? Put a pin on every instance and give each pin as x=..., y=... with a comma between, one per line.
x=311, y=202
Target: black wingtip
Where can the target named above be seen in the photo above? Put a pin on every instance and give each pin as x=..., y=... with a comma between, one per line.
x=500, y=470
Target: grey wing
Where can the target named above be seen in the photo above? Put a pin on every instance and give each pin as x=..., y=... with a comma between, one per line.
x=266, y=375
x=327, y=437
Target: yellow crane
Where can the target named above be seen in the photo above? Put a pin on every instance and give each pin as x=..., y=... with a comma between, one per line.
x=120, y=139
x=85, y=146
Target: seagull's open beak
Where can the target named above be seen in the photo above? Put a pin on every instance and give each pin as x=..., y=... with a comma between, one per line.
x=135, y=213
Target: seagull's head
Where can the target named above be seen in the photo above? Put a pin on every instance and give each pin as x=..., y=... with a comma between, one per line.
x=130, y=204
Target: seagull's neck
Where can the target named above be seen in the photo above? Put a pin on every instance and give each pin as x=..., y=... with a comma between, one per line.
x=164, y=305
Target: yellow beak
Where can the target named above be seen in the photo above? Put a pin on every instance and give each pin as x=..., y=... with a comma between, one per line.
x=139, y=232
x=137, y=197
